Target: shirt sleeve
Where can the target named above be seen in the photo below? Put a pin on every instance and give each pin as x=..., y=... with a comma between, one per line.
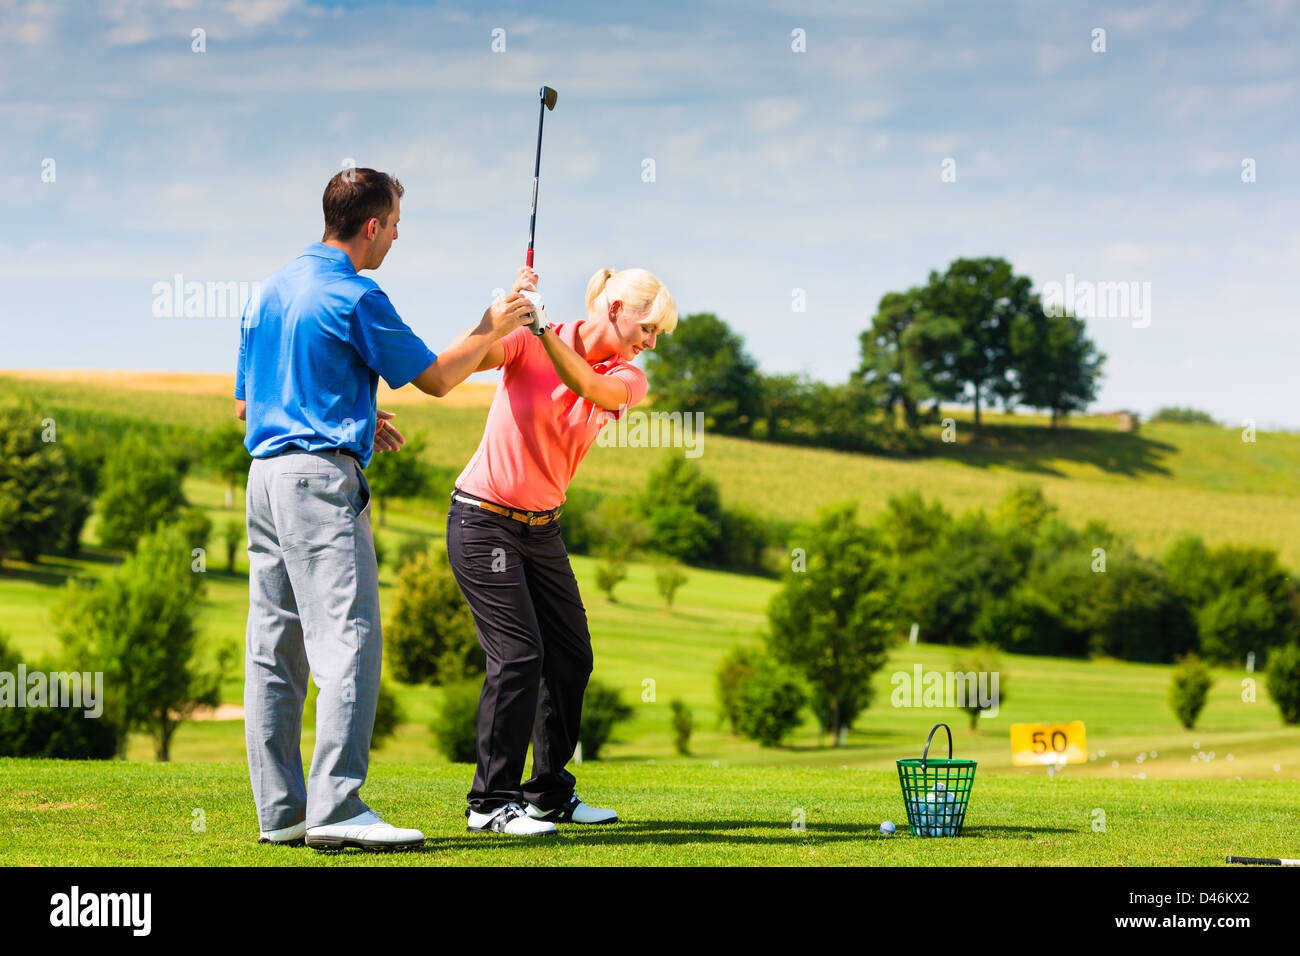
x=513, y=344
x=239, y=363
x=385, y=343
x=635, y=381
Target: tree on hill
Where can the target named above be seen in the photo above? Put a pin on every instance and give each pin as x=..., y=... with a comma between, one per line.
x=703, y=367
x=1056, y=366
x=890, y=361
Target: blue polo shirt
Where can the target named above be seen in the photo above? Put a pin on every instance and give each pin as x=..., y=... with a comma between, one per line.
x=311, y=350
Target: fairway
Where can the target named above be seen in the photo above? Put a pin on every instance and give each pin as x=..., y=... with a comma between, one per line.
x=142, y=815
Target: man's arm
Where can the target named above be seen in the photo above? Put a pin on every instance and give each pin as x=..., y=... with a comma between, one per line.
x=471, y=348
x=609, y=393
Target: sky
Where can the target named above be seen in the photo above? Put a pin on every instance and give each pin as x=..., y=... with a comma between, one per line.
x=807, y=157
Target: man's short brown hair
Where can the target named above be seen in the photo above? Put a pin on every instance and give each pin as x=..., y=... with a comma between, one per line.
x=355, y=196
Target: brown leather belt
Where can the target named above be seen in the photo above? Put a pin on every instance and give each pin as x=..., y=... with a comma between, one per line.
x=528, y=517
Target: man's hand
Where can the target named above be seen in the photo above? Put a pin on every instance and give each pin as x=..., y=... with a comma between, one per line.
x=505, y=315
x=387, y=437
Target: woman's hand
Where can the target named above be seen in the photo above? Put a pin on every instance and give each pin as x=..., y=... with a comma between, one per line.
x=527, y=280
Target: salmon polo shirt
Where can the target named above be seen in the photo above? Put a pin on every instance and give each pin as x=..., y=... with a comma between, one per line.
x=538, y=431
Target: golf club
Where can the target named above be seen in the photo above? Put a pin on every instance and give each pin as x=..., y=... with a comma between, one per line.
x=547, y=97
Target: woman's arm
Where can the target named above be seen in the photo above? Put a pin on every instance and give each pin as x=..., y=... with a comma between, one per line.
x=609, y=393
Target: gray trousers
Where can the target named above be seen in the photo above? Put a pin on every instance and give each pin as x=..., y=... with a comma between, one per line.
x=313, y=605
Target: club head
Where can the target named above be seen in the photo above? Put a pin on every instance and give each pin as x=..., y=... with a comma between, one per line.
x=548, y=97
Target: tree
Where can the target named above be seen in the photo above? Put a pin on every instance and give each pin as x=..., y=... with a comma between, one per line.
x=1284, y=681
x=982, y=660
x=703, y=367
x=785, y=404
x=141, y=491
x=1189, y=689
x=37, y=486
x=225, y=454
x=139, y=626
x=832, y=622
x=233, y=535
x=684, y=507
x=683, y=724
x=890, y=361
x=1243, y=598
x=397, y=474
x=668, y=578
x=962, y=337
x=1056, y=366
x=736, y=668
x=431, y=636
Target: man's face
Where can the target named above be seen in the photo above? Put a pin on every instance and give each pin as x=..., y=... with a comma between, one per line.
x=385, y=236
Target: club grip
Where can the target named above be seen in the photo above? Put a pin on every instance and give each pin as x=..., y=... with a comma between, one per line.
x=529, y=261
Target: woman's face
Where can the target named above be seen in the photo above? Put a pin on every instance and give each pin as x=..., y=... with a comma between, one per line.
x=634, y=334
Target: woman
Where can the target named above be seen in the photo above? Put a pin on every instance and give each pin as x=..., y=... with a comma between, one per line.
x=560, y=386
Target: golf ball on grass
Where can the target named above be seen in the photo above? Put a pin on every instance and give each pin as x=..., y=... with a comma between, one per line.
x=887, y=828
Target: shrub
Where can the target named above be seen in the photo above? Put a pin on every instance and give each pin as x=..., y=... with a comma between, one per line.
x=981, y=660
x=1284, y=681
x=770, y=703
x=602, y=709
x=668, y=578
x=456, y=726
x=64, y=733
x=1189, y=689
x=39, y=493
x=736, y=668
x=683, y=723
x=410, y=546
x=431, y=635
x=743, y=537
x=609, y=574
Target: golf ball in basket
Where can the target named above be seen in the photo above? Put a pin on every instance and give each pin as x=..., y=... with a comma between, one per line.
x=887, y=828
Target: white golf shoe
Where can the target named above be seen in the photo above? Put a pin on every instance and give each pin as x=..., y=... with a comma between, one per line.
x=285, y=836
x=367, y=831
x=509, y=819
x=575, y=811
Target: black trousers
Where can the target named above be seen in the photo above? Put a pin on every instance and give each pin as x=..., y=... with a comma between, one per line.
x=532, y=625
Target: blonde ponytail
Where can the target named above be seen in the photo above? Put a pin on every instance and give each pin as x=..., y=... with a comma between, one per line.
x=641, y=293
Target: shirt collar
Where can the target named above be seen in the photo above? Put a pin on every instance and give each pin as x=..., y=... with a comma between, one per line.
x=332, y=253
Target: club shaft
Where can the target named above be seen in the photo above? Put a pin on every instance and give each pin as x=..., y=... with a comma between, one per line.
x=1263, y=861
x=537, y=172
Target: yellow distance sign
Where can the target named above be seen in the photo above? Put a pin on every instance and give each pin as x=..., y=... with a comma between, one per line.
x=1034, y=745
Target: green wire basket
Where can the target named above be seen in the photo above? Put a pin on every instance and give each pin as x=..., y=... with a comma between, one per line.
x=936, y=790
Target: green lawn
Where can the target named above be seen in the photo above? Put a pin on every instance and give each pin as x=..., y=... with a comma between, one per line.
x=130, y=814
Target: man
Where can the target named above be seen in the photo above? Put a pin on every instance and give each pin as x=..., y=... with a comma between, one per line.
x=312, y=348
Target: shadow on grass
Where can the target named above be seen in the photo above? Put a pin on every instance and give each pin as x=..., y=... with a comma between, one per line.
x=732, y=831
x=1028, y=448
